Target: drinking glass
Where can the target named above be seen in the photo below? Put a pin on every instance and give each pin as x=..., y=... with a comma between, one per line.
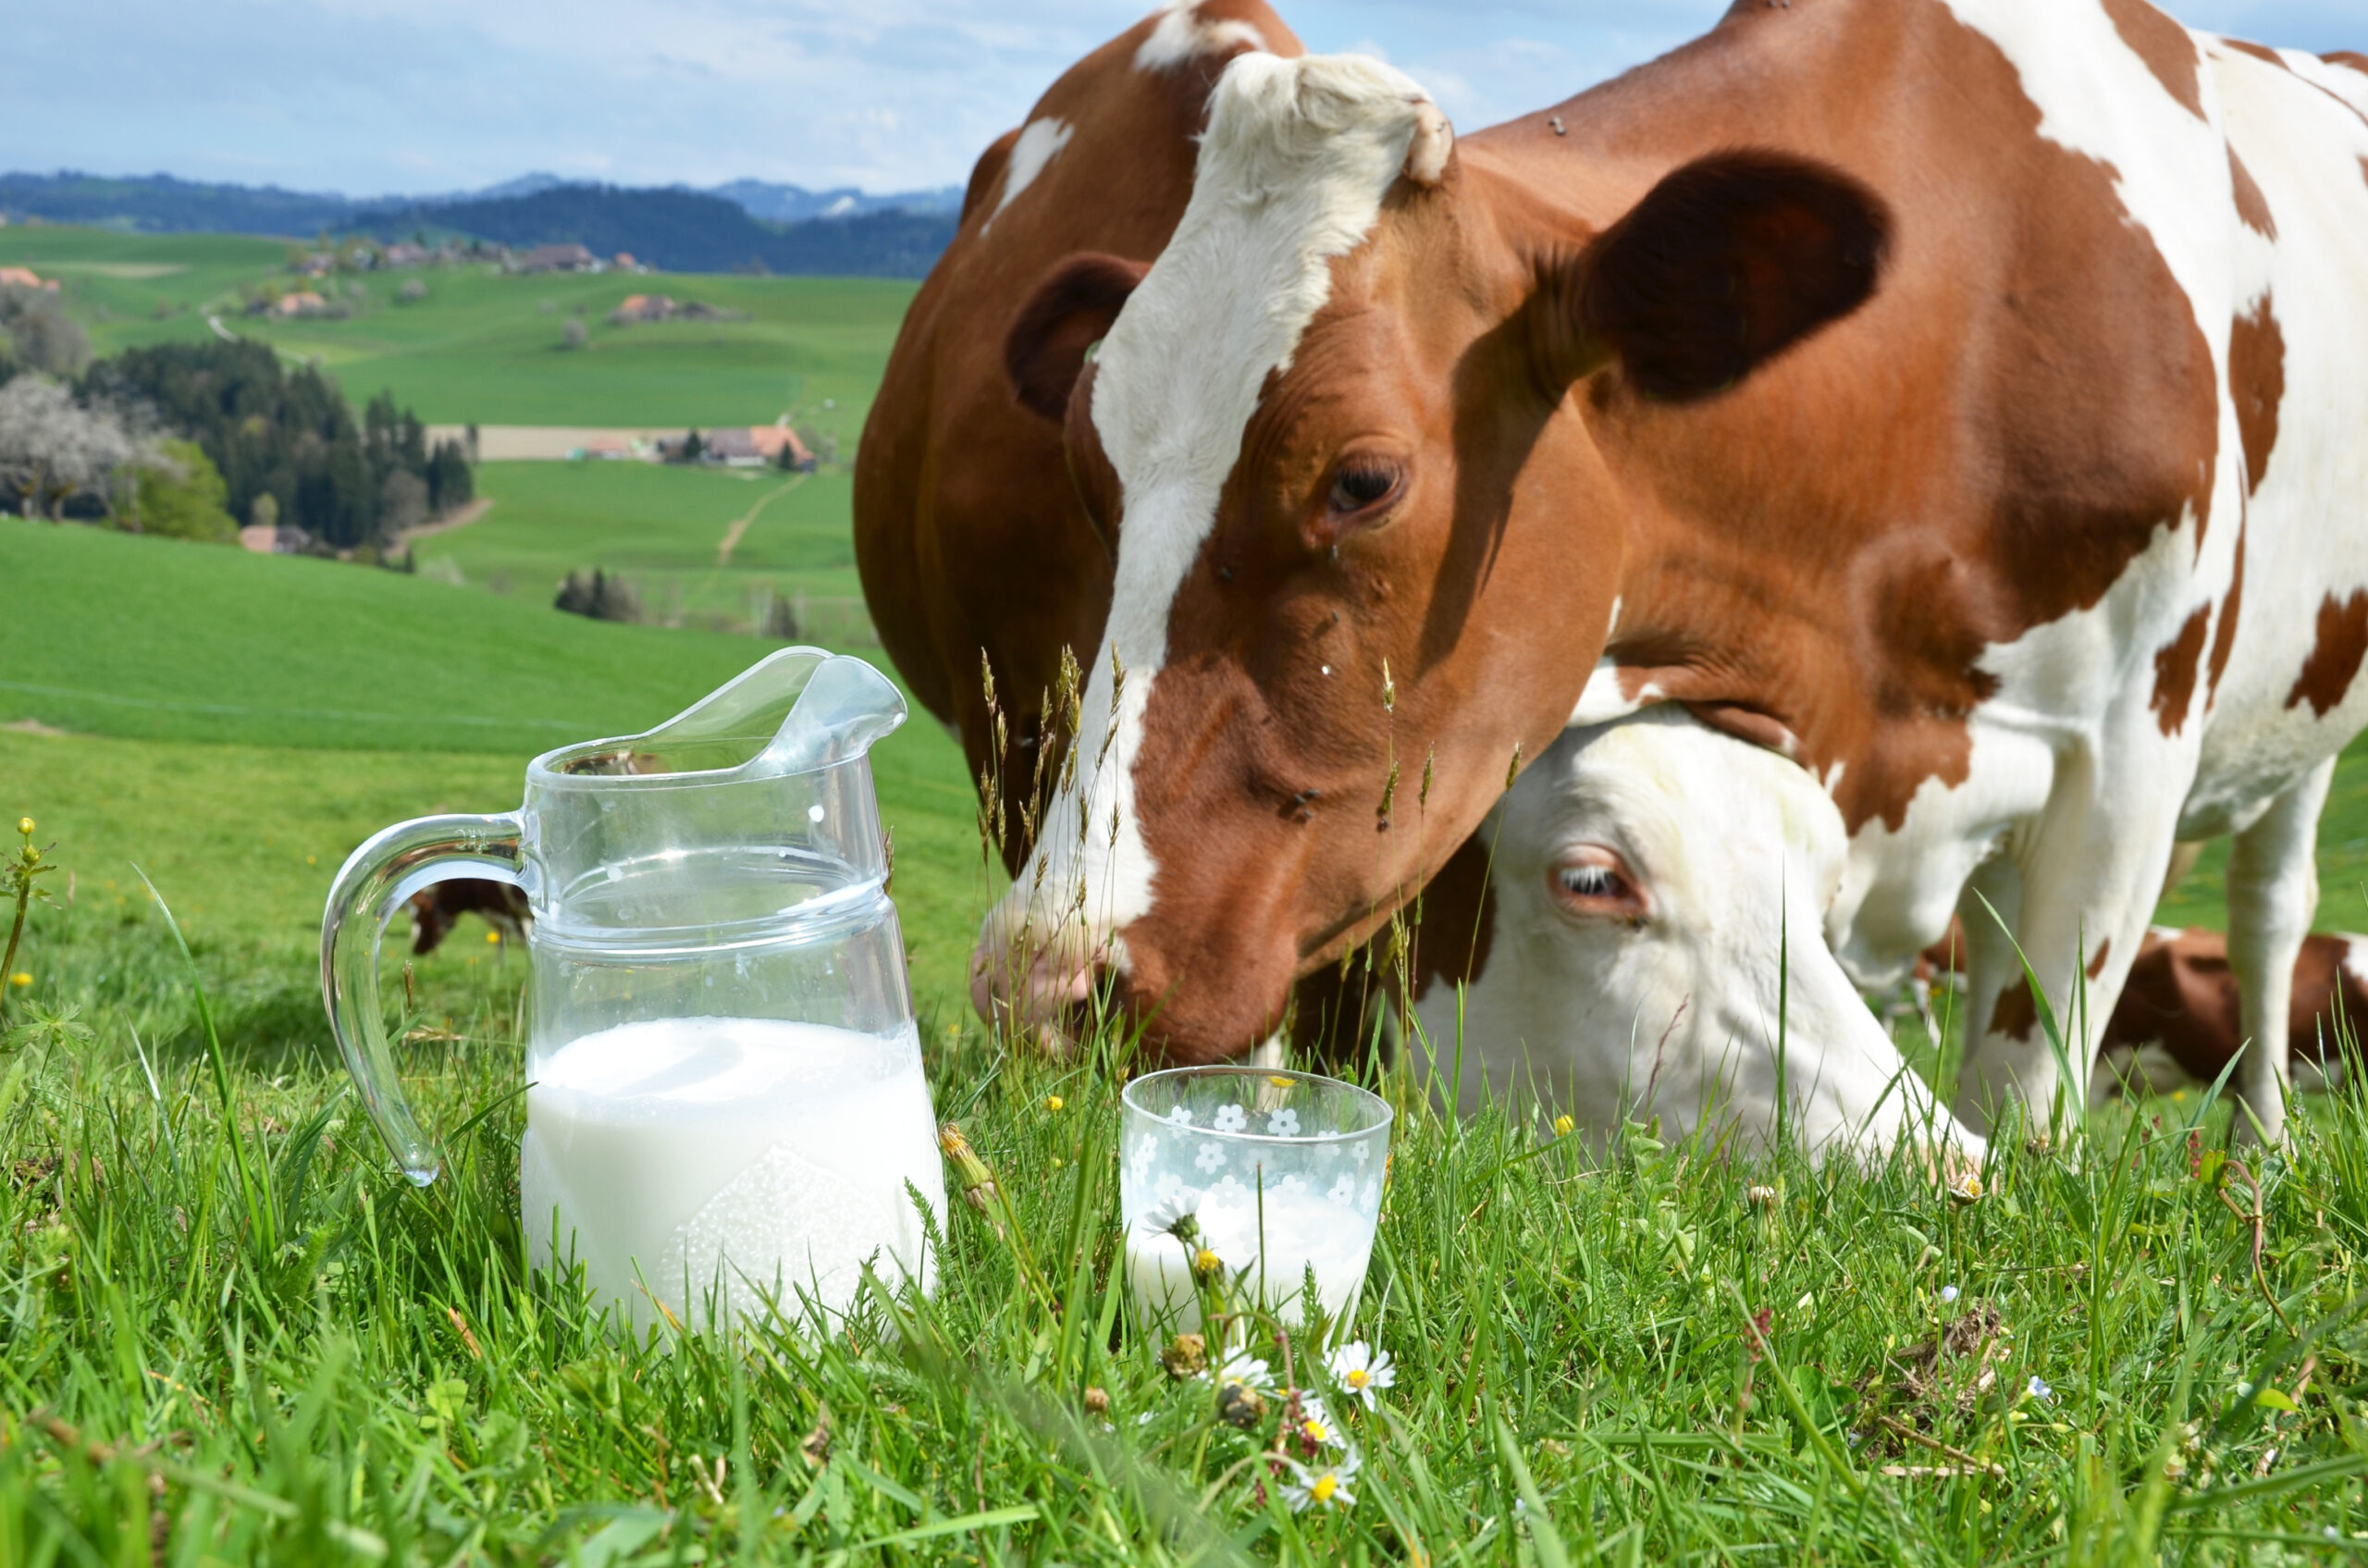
x=1281, y=1173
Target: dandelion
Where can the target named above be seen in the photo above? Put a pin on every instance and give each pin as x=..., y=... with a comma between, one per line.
x=1279, y=1081
x=1327, y=1487
x=1361, y=1370
x=1231, y=1119
x=2039, y=1388
x=1206, y=1265
x=1948, y=1294
x=20, y=978
x=1054, y=1102
x=1562, y=1126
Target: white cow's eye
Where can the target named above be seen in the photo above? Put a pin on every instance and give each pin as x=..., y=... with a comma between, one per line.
x=1593, y=882
x=1589, y=882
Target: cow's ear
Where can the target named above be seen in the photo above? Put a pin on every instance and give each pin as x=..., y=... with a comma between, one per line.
x=1723, y=266
x=1069, y=312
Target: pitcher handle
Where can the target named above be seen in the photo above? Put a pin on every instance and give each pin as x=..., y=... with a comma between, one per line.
x=375, y=882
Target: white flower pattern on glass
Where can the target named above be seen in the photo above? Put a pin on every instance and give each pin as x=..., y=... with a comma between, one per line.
x=1361, y=1150
x=1211, y=1156
x=1283, y=1123
x=1343, y=1191
x=1291, y=1186
x=1231, y=1119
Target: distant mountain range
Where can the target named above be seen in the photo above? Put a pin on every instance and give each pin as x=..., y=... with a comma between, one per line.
x=745, y=225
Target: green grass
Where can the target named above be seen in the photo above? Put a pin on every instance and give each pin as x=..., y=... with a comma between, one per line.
x=285, y=707
x=316, y=1362
x=662, y=528
x=485, y=348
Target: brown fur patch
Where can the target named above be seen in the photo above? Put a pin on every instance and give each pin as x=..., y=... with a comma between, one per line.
x=1458, y=921
x=2257, y=383
x=2015, y=1015
x=2167, y=48
x=2223, y=636
x=2350, y=59
x=2097, y=964
x=2252, y=205
x=2335, y=659
x=2175, y=671
x=2258, y=51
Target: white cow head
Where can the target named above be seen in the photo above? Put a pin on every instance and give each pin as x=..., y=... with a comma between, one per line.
x=1653, y=884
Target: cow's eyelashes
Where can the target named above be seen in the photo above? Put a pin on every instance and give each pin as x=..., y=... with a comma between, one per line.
x=1363, y=485
x=1594, y=881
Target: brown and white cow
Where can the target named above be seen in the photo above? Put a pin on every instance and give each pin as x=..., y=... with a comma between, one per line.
x=1959, y=396
x=969, y=534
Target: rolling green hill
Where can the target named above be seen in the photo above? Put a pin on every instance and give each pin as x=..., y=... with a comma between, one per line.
x=485, y=348
x=347, y=698
x=664, y=527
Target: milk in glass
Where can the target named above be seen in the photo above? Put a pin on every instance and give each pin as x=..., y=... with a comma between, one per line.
x=1303, y=1230
x=682, y=1157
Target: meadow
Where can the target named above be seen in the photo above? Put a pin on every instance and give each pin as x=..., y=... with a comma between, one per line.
x=229, y=1332
x=487, y=348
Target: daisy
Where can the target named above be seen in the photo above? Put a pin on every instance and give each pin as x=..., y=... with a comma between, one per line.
x=1360, y=1370
x=1245, y=1369
x=1327, y=1487
x=1167, y=1217
x=1316, y=1424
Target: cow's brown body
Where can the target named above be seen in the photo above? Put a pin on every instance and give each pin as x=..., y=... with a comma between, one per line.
x=968, y=531
x=2183, y=996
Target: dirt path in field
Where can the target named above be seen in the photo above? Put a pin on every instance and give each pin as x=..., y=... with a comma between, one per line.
x=740, y=524
x=445, y=525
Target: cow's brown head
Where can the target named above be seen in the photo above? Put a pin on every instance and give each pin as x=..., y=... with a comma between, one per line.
x=1368, y=545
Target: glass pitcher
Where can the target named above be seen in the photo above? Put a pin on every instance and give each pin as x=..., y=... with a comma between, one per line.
x=724, y=1089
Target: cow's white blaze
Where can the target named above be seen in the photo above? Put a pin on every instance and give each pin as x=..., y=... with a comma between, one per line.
x=1039, y=142
x=1291, y=173
x=1183, y=34
x=1678, y=1015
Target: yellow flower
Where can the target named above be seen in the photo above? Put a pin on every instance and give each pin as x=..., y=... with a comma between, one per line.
x=1325, y=1486
x=1204, y=1261
x=20, y=978
x=1967, y=1188
x=311, y=860
x=493, y=936
x=1054, y=1102
x=2179, y=1094
x=1279, y=1081
x=25, y=826
x=1562, y=1126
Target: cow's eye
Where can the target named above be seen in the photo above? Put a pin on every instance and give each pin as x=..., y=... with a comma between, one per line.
x=1593, y=881
x=1361, y=484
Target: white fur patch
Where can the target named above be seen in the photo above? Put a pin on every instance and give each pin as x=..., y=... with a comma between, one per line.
x=1292, y=170
x=1039, y=142
x=1182, y=34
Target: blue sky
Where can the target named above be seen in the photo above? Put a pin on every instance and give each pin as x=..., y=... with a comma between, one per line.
x=369, y=96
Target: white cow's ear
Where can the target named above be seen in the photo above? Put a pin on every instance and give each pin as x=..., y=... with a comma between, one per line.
x=1727, y=263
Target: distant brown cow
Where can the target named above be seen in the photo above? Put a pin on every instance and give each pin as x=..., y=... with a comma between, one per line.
x=2181, y=996
x=969, y=533
x=436, y=910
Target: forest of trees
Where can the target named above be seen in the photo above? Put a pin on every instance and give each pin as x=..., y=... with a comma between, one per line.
x=288, y=434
